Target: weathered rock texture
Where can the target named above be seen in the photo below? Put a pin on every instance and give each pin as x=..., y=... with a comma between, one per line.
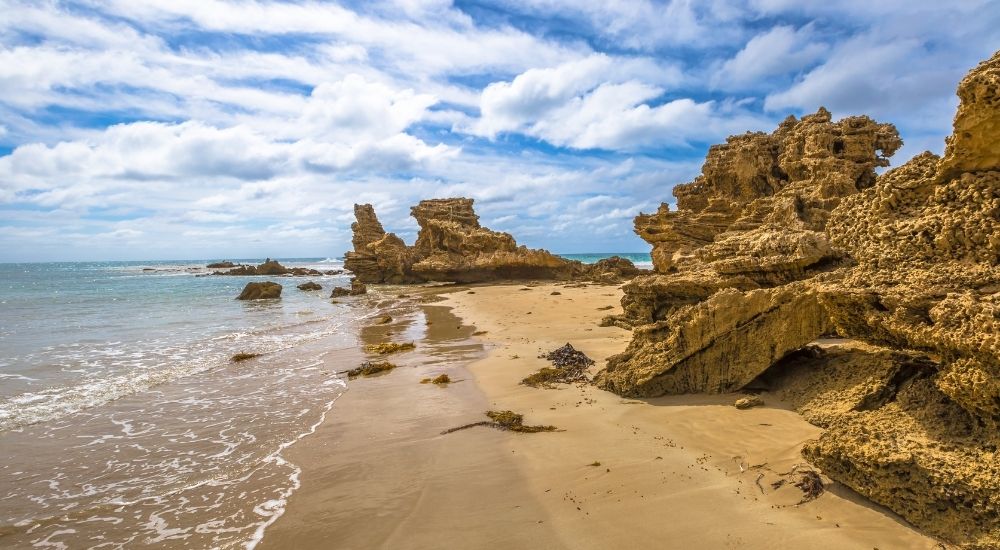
x=266, y=290
x=789, y=236
x=452, y=246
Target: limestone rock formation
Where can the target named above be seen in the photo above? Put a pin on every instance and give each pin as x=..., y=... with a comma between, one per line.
x=762, y=201
x=612, y=270
x=451, y=246
x=789, y=236
x=266, y=290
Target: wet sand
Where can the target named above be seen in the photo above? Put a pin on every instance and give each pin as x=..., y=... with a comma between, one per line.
x=677, y=472
x=379, y=474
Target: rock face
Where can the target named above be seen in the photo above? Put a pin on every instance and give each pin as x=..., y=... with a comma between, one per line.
x=451, y=246
x=260, y=291
x=789, y=236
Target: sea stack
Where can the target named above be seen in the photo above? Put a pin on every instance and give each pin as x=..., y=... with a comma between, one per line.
x=451, y=246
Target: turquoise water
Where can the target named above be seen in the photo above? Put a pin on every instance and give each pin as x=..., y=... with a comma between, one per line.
x=640, y=259
x=123, y=421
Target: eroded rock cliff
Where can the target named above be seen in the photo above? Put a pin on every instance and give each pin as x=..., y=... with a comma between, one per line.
x=452, y=246
x=789, y=236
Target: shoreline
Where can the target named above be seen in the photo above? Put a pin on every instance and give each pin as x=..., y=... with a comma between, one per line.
x=378, y=472
x=669, y=468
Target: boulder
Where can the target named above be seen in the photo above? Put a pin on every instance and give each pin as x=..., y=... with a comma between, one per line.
x=357, y=287
x=339, y=291
x=260, y=291
x=613, y=270
x=310, y=286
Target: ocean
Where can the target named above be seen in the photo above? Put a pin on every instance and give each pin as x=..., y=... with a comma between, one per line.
x=124, y=423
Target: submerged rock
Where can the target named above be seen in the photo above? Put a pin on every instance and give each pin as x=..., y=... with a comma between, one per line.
x=260, y=291
x=357, y=287
x=339, y=291
x=789, y=236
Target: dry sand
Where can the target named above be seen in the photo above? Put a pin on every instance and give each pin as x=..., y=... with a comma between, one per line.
x=378, y=474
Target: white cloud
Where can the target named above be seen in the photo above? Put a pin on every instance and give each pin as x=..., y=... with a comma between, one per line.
x=780, y=50
x=352, y=124
x=601, y=102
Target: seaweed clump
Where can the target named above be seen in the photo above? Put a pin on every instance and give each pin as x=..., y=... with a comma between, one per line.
x=507, y=421
x=240, y=357
x=440, y=379
x=569, y=365
x=370, y=368
x=805, y=479
x=389, y=347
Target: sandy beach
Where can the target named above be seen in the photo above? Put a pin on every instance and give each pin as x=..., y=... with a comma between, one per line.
x=674, y=472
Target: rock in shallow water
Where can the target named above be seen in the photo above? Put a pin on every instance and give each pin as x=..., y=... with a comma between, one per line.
x=260, y=291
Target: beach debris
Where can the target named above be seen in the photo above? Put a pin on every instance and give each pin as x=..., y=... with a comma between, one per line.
x=266, y=290
x=570, y=365
x=567, y=356
x=594, y=463
x=389, y=347
x=507, y=421
x=605, y=308
x=749, y=402
x=383, y=320
x=760, y=476
x=555, y=293
x=370, y=368
x=339, y=291
x=240, y=357
x=440, y=379
x=310, y=286
x=479, y=333
x=804, y=478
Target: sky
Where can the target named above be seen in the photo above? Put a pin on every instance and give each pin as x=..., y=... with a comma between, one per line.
x=190, y=129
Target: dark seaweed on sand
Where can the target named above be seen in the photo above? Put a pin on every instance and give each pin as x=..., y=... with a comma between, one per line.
x=569, y=365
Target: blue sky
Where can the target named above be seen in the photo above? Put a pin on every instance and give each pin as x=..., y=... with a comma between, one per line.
x=144, y=129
